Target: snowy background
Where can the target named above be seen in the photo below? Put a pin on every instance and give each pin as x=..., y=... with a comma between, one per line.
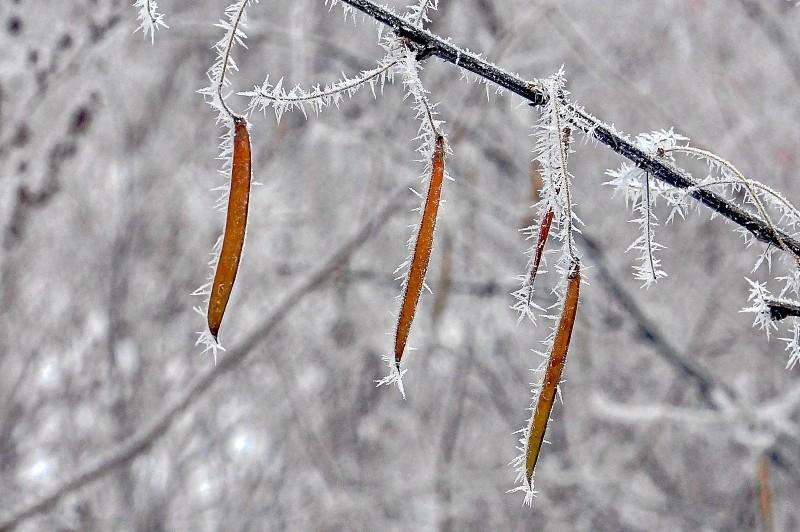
x=107, y=158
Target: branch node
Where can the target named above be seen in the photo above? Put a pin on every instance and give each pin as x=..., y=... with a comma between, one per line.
x=425, y=52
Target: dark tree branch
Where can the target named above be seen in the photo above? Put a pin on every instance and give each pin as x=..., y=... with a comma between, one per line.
x=781, y=309
x=430, y=44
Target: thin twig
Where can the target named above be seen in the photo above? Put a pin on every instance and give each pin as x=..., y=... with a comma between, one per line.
x=321, y=94
x=563, y=153
x=423, y=7
x=649, y=230
x=714, y=158
x=219, y=83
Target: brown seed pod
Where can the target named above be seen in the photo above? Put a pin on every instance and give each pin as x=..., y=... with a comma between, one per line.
x=544, y=231
x=555, y=365
x=422, y=252
x=235, y=225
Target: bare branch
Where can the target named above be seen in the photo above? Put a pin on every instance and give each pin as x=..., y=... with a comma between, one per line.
x=781, y=309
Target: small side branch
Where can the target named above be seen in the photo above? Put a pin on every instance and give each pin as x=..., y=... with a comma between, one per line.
x=149, y=18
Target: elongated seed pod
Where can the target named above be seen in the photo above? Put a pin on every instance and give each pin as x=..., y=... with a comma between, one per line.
x=235, y=226
x=544, y=231
x=555, y=365
x=422, y=252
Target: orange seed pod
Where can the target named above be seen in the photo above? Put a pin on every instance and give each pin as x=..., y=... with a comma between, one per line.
x=422, y=252
x=555, y=365
x=544, y=231
x=235, y=225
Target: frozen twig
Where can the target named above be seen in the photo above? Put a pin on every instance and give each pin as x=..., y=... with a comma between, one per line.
x=318, y=98
x=751, y=187
x=418, y=13
x=218, y=73
x=149, y=18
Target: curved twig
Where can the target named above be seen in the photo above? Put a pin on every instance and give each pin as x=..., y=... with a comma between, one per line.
x=218, y=71
x=318, y=97
x=715, y=159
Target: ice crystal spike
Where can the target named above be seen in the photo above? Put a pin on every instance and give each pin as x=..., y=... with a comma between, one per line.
x=150, y=20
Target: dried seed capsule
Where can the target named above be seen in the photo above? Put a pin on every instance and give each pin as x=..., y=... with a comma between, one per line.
x=555, y=365
x=235, y=225
x=422, y=252
x=544, y=231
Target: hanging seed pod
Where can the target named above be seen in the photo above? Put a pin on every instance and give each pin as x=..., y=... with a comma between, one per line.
x=422, y=252
x=544, y=231
x=235, y=225
x=555, y=365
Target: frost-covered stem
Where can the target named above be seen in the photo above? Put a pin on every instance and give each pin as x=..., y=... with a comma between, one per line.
x=230, y=38
x=149, y=18
x=563, y=146
x=319, y=97
x=149, y=9
x=660, y=169
x=422, y=9
x=339, y=88
x=648, y=229
x=714, y=158
x=428, y=115
x=422, y=105
x=755, y=184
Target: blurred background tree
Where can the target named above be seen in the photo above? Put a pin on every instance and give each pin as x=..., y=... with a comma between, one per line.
x=107, y=155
